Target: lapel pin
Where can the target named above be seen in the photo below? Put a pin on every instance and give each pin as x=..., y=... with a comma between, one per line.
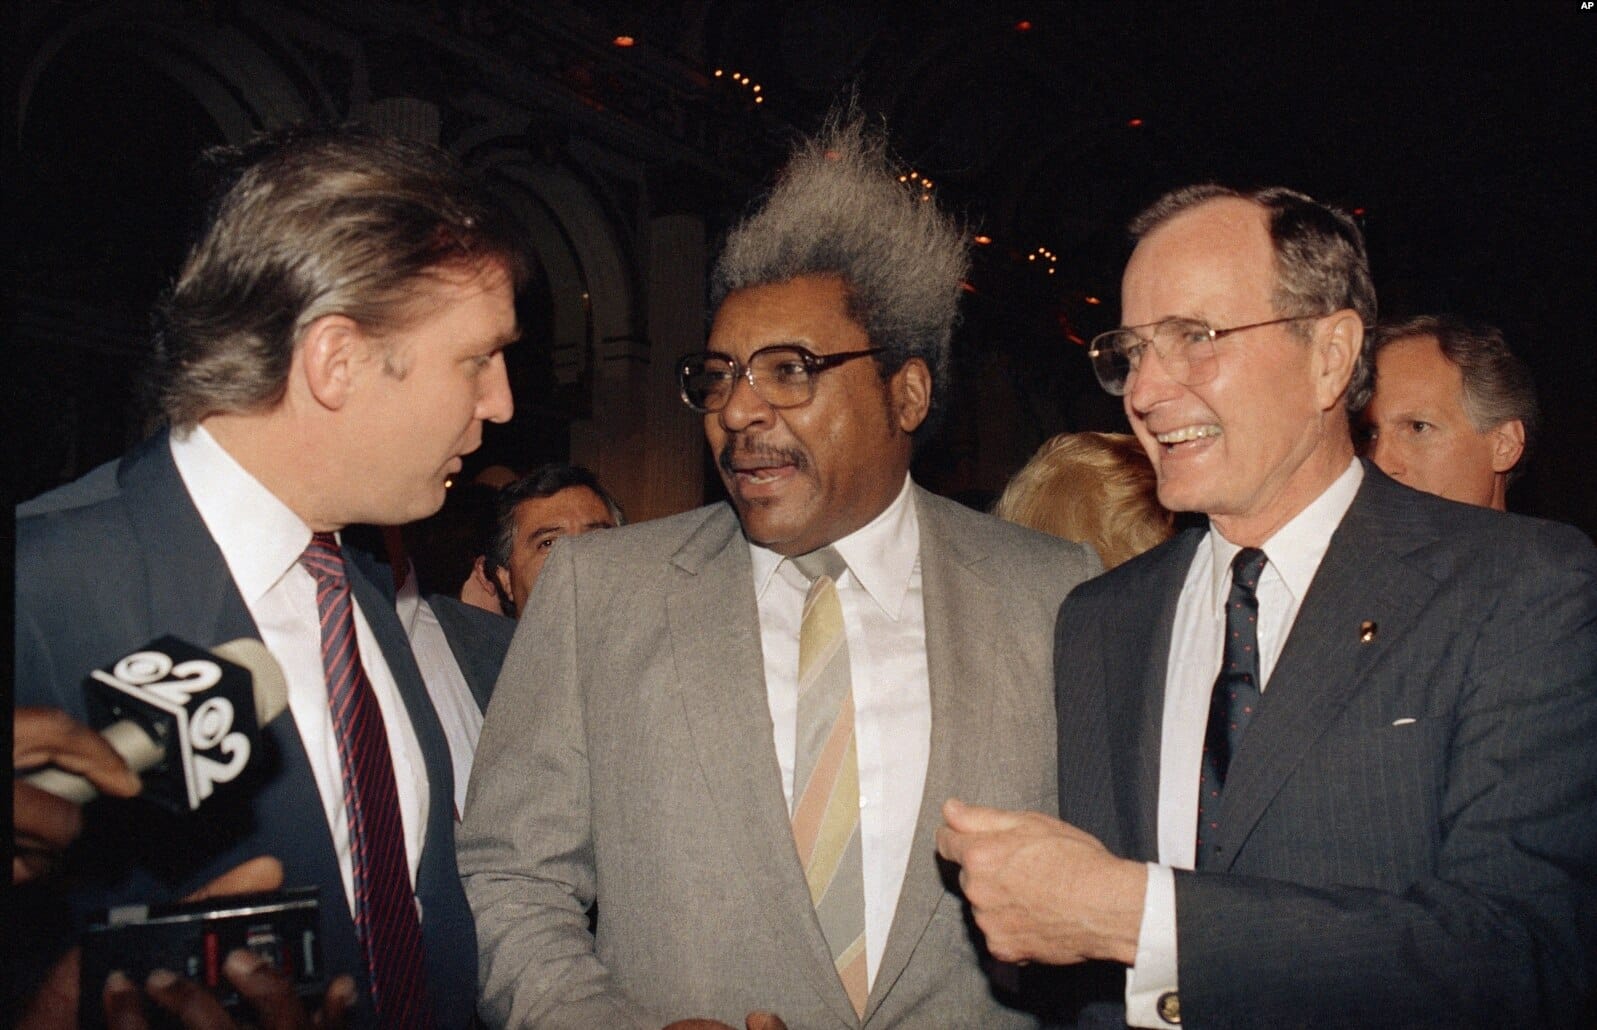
x=1367, y=631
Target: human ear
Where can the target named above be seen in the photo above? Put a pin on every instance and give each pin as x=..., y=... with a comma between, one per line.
x=326, y=357
x=911, y=391
x=1508, y=444
x=502, y=577
x=1338, y=343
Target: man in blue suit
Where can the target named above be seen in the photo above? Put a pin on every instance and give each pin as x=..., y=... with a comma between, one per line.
x=328, y=354
x=1327, y=762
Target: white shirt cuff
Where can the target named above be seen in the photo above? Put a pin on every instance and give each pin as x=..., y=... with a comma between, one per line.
x=1153, y=977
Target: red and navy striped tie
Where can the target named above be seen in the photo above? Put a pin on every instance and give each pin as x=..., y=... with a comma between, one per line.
x=385, y=904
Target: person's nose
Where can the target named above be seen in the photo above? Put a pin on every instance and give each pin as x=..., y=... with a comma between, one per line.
x=1387, y=456
x=1149, y=384
x=494, y=402
x=745, y=408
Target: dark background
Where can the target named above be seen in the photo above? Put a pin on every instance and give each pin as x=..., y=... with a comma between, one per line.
x=1462, y=135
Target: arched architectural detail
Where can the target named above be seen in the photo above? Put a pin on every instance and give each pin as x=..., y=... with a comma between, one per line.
x=598, y=344
x=241, y=84
x=577, y=245
x=606, y=277
x=80, y=309
x=619, y=290
x=621, y=316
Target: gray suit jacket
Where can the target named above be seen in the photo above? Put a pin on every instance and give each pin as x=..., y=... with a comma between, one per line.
x=627, y=755
x=1410, y=825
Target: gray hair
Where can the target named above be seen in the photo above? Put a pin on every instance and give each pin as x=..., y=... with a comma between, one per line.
x=1497, y=385
x=313, y=224
x=839, y=208
x=1321, y=264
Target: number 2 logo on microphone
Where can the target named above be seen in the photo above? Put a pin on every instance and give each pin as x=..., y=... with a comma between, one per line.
x=211, y=751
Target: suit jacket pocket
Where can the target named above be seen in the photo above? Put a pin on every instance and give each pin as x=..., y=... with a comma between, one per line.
x=1364, y=806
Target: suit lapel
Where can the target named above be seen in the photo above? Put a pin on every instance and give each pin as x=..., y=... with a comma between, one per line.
x=189, y=584
x=1137, y=659
x=1363, y=578
x=723, y=696
x=960, y=655
x=960, y=726
x=192, y=595
x=381, y=617
x=445, y=924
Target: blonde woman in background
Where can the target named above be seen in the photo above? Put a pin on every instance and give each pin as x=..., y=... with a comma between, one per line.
x=1094, y=488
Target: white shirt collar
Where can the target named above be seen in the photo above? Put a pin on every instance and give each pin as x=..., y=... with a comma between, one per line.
x=1296, y=549
x=259, y=536
x=881, y=555
x=407, y=599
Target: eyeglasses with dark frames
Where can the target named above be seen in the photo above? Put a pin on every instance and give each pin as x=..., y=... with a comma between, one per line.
x=1185, y=347
x=782, y=375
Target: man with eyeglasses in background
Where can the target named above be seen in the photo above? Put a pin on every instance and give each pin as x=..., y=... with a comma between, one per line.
x=1329, y=761
x=741, y=755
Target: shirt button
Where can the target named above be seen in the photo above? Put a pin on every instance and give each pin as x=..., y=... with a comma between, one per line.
x=1169, y=1006
x=863, y=800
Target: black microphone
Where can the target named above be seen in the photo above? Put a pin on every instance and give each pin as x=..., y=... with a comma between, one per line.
x=183, y=717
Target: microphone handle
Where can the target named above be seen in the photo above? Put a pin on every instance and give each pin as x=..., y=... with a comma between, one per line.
x=127, y=738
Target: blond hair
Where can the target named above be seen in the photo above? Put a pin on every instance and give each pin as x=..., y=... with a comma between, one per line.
x=1093, y=488
x=313, y=223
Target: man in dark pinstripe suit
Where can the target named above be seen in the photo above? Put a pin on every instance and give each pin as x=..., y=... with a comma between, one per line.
x=1385, y=810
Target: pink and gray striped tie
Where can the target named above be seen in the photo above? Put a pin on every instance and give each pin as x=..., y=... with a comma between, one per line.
x=826, y=824
x=385, y=904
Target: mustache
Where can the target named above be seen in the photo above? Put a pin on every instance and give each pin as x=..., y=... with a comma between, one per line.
x=730, y=451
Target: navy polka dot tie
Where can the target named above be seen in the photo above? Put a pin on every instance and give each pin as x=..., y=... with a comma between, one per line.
x=385, y=905
x=1236, y=695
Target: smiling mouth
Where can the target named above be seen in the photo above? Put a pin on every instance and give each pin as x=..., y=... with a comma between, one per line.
x=1187, y=434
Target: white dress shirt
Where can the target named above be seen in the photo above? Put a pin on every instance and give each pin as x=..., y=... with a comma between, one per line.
x=262, y=540
x=446, y=683
x=1294, y=553
x=884, y=616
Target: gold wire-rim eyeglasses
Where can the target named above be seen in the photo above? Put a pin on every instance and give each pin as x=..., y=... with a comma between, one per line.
x=1113, y=363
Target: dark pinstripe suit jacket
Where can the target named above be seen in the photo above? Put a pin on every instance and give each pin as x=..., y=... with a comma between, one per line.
x=120, y=557
x=1410, y=824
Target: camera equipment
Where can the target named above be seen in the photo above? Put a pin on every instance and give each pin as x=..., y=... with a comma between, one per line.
x=193, y=939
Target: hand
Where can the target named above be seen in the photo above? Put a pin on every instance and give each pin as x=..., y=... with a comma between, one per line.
x=1040, y=888
x=268, y=992
x=43, y=824
x=55, y=1005
x=755, y=1021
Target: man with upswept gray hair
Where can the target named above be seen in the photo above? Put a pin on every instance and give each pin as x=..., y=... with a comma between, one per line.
x=733, y=729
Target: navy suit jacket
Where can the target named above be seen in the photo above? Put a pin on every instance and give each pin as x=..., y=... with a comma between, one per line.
x=478, y=639
x=1409, y=829
x=121, y=557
